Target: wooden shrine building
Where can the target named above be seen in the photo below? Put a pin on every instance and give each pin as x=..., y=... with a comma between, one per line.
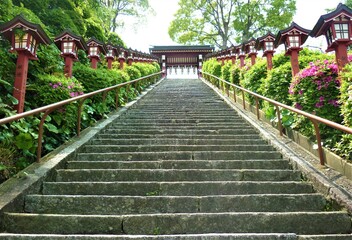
x=181, y=56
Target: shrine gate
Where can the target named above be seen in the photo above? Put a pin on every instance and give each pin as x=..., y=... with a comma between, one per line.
x=178, y=61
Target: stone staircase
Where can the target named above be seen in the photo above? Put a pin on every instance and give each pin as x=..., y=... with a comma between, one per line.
x=180, y=164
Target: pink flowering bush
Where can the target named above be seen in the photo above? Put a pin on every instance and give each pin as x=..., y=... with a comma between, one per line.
x=48, y=89
x=316, y=90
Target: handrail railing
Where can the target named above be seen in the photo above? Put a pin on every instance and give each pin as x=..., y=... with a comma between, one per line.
x=52, y=107
x=313, y=118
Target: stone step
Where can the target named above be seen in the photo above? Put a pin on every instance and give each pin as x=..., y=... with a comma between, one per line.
x=210, y=236
x=181, y=155
x=179, y=223
x=114, y=205
x=177, y=136
x=326, y=237
x=181, y=141
x=178, y=120
x=247, y=130
x=178, y=175
x=177, y=126
x=175, y=188
x=181, y=164
x=172, y=148
x=157, y=117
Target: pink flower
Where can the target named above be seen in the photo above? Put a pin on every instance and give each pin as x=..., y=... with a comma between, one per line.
x=72, y=94
x=319, y=104
x=55, y=86
x=334, y=102
x=298, y=106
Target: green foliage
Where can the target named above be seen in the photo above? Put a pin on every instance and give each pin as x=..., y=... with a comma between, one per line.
x=217, y=23
x=287, y=117
x=225, y=71
x=277, y=83
x=256, y=18
x=212, y=66
x=344, y=147
x=254, y=77
x=346, y=94
x=49, y=62
x=133, y=72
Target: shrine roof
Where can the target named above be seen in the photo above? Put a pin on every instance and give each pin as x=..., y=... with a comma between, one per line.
x=182, y=48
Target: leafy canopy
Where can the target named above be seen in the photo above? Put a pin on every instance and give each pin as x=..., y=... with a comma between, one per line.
x=220, y=22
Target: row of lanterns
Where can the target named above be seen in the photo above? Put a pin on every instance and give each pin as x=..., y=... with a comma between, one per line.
x=336, y=26
x=26, y=36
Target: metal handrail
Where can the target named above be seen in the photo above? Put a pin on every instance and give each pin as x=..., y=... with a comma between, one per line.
x=80, y=99
x=313, y=118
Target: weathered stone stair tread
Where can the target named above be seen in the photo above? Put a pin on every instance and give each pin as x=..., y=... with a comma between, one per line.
x=178, y=223
x=167, y=148
x=211, y=236
x=326, y=237
x=112, y=205
x=181, y=155
x=178, y=126
x=181, y=164
x=176, y=188
x=184, y=131
x=187, y=120
x=176, y=136
x=108, y=175
x=170, y=141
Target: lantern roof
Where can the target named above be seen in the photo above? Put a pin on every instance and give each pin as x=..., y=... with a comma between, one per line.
x=93, y=41
x=80, y=43
x=20, y=22
x=109, y=46
x=293, y=28
x=250, y=41
x=267, y=37
x=325, y=20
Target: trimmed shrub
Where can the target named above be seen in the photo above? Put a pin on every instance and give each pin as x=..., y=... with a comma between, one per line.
x=225, y=71
x=253, y=78
x=277, y=83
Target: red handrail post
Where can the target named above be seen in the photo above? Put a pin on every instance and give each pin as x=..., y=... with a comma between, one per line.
x=257, y=107
x=40, y=132
x=279, y=120
x=117, y=98
x=243, y=100
x=320, y=148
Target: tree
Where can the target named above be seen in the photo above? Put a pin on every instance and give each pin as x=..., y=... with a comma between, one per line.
x=220, y=22
x=134, y=8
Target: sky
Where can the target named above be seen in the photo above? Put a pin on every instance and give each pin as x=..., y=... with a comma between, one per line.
x=154, y=29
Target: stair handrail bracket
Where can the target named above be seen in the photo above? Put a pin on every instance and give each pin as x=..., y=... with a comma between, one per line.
x=46, y=110
x=313, y=118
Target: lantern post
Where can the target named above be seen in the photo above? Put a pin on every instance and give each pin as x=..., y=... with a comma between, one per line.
x=130, y=57
x=69, y=44
x=25, y=38
x=250, y=50
x=122, y=58
x=240, y=54
x=111, y=53
x=337, y=28
x=293, y=37
x=266, y=43
x=233, y=55
x=163, y=65
x=95, y=48
x=200, y=65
